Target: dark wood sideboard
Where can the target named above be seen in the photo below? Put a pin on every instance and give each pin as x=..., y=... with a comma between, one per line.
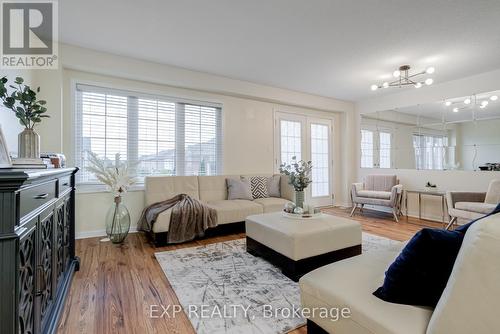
x=37, y=247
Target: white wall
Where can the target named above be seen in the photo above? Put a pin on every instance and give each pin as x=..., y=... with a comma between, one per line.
x=248, y=118
x=415, y=179
x=8, y=121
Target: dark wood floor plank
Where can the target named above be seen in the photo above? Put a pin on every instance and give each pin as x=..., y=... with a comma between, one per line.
x=116, y=285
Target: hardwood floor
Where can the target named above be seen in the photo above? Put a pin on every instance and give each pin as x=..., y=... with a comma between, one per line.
x=116, y=285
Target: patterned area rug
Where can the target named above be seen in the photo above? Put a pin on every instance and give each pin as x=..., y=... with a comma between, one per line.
x=224, y=290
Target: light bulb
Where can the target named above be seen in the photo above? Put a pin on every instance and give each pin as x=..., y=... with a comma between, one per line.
x=418, y=85
x=430, y=70
x=455, y=109
x=447, y=103
x=494, y=98
x=374, y=87
x=484, y=103
x=429, y=81
x=385, y=84
x=396, y=73
x=467, y=101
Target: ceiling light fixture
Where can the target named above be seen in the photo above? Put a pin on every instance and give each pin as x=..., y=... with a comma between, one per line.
x=455, y=109
x=484, y=103
x=494, y=98
x=467, y=101
x=447, y=103
x=404, y=78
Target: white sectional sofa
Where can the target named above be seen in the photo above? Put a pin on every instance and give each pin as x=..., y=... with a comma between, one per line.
x=469, y=304
x=211, y=190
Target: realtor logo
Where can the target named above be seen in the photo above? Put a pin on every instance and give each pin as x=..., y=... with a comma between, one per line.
x=29, y=35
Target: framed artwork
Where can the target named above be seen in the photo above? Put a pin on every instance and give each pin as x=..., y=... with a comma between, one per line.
x=5, y=161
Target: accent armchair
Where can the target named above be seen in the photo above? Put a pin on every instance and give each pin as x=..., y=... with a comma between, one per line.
x=382, y=190
x=467, y=206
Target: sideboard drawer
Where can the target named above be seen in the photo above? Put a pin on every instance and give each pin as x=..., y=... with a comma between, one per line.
x=64, y=184
x=35, y=196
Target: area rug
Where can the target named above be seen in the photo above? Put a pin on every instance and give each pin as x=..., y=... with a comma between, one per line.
x=224, y=290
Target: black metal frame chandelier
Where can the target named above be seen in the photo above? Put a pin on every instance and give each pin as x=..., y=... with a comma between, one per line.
x=404, y=78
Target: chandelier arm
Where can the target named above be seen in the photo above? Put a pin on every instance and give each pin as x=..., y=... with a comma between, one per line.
x=414, y=75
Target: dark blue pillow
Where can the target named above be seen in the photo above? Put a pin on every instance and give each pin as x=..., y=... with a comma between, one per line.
x=420, y=273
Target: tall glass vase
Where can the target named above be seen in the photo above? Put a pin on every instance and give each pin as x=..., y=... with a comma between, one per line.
x=117, y=221
x=299, y=199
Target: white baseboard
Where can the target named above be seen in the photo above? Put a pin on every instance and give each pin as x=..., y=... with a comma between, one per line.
x=98, y=233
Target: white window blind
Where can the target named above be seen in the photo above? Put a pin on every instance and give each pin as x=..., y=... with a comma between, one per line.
x=156, y=134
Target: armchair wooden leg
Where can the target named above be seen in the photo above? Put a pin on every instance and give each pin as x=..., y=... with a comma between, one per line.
x=450, y=224
x=353, y=209
x=395, y=214
x=361, y=208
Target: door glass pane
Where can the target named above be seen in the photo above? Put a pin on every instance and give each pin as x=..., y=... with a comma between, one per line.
x=366, y=149
x=385, y=150
x=320, y=160
x=291, y=140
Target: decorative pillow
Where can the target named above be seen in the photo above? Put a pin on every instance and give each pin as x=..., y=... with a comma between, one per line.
x=273, y=186
x=239, y=189
x=420, y=273
x=259, y=186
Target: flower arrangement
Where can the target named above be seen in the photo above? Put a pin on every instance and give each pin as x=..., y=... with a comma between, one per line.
x=116, y=178
x=298, y=172
x=23, y=102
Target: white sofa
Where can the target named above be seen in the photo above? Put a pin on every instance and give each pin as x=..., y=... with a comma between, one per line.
x=469, y=304
x=211, y=190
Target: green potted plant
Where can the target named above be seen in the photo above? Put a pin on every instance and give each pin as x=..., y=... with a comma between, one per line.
x=299, y=176
x=22, y=100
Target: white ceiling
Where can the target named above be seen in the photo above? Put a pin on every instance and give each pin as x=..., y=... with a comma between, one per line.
x=334, y=48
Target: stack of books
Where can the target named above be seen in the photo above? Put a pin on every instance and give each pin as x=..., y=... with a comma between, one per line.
x=28, y=163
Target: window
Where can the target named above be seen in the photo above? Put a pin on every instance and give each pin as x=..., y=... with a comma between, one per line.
x=430, y=151
x=367, y=149
x=157, y=135
x=384, y=150
x=320, y=157
x=291, y=141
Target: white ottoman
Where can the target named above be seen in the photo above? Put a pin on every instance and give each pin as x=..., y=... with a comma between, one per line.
x=298, y=246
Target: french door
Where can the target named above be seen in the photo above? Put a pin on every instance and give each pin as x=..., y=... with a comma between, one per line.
x=307, y=138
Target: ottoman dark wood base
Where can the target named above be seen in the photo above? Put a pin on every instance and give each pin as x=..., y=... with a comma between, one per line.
x=313, y=328
x=296, y=269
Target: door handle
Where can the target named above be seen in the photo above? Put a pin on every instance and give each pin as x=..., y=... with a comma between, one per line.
x=41, y=196
x=40, y=280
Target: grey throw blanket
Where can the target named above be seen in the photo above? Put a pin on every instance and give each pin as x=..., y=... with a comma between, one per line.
x=189, y=218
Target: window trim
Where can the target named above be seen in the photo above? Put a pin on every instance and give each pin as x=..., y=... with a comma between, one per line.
x=140, y=92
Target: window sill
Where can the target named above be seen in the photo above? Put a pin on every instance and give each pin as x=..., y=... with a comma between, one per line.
x=100, y=188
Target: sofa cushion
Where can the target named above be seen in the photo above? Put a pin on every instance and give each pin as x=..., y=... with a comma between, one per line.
x=239, y=189
x=374, y=194
x=349, y=283
x=213, y=188
x=470, y=302
x=232, y=211
x=419, y=274
x=272, y=204
x=161, y=188
x=475, y=207
x=380, y=182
